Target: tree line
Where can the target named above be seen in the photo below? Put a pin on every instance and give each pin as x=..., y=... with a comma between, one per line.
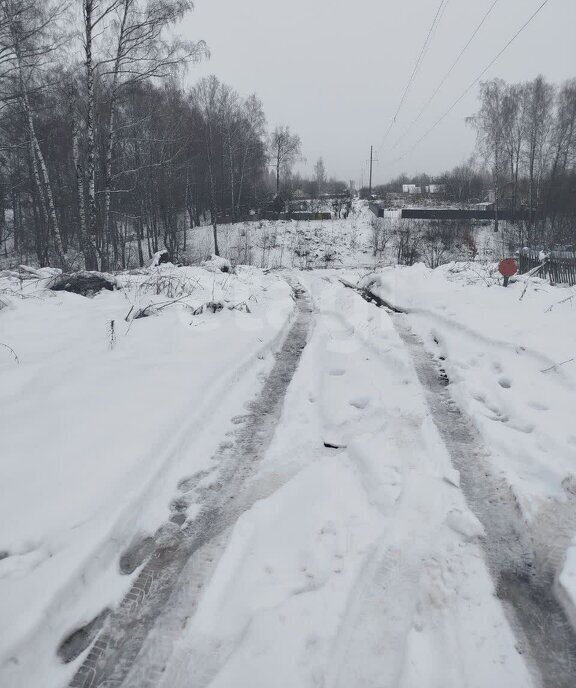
x=105, y=158
x=526, y=134
x=525, y=159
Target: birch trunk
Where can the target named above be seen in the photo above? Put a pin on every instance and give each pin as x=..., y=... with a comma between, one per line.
x=90, y=138
x=112, y=124
x=41, y=176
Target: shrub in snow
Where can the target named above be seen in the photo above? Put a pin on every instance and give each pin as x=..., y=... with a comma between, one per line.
x=84, y=282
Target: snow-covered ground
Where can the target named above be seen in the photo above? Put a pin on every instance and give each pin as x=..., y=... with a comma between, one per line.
x=290, y=244
x=509, y=355
x=363, y=566
x=97, y=428
x=337, y=243
x=347, y=554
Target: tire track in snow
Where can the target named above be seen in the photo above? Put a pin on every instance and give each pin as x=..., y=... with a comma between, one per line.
x=519, y=562
x=116, y=658
x=523, y=580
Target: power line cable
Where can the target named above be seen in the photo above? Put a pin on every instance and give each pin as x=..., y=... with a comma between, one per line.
x=448, y=73
x=423, y=50
x=476, y=80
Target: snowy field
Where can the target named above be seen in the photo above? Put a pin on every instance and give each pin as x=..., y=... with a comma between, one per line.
x=323, y=531
x=356, y=241
x=295, y=244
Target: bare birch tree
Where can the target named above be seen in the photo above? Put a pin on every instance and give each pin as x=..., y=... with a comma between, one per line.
x=28, y=39
x=285, y=150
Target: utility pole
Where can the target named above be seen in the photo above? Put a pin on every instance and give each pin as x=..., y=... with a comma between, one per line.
x=371, y=159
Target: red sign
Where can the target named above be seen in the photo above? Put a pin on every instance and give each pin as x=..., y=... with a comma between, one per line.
x=507, y=267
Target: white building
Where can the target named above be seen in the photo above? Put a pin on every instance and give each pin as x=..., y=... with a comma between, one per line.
x=411, y=189
x=436, y=188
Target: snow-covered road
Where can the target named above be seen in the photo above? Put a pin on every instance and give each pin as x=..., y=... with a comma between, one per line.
x=347, y=531
x=360, y=563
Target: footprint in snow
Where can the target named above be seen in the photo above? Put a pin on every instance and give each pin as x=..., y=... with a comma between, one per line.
x=505, y=383
x=135, y=554
x=360, y=402
x=538, y=406
x=337, y=372
x=526, y=428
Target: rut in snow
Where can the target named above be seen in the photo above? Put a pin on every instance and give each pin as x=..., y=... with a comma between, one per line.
x=114, y=658
x=523, y=578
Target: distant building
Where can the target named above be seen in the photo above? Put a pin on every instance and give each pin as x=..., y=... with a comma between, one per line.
x=486, y=205
x=505, y=196
x=435, y=188
x=411, y=189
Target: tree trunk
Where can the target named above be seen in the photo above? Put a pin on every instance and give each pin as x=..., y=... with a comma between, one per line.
x=278, y=173
x=90, y=137
x=212, y=192
x=15, y=222
x=3, y=219
x=39, y=168
x=41, y=176
x=111, y=133
x=50, y=205
x=241, y=182
x=86, y=246
x=232, y=191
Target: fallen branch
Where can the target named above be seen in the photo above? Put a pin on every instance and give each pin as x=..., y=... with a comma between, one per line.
x=11, y=350
x=151, y=308
x=369, y=296
x=568, y=298
x=557, y=365
x=530, y=274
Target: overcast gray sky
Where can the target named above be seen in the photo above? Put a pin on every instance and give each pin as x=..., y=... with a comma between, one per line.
x=335, y=70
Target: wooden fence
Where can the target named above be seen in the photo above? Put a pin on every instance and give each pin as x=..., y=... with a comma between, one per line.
x=559, y=267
